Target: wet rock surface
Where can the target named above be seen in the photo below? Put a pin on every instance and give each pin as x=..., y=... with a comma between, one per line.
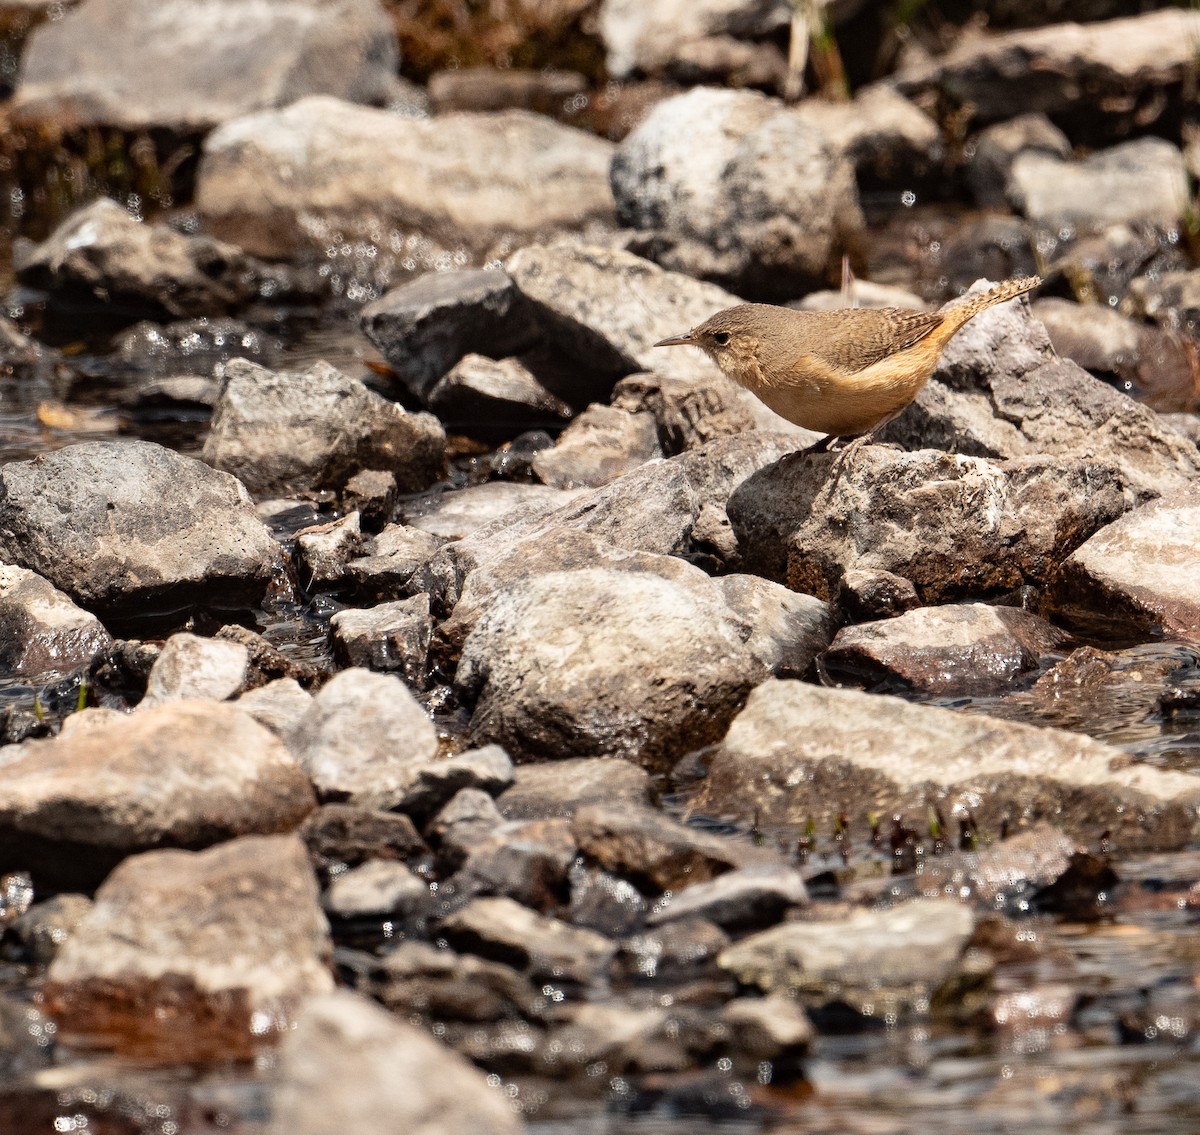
x=41, y=629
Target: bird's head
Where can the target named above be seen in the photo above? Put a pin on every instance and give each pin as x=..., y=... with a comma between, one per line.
x=730, y=338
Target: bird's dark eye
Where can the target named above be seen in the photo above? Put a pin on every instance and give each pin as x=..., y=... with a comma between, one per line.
x=721, y=338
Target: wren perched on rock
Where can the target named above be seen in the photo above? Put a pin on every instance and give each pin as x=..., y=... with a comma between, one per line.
x=845, y=373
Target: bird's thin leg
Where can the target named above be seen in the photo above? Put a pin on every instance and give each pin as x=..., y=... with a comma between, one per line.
x=856, y=443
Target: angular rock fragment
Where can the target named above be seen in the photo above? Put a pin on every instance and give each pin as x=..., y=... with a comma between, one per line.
x=350, y=835
x=425, y=326
x=324, y=550
x=993, y=151
x=184, y=774
x=379, y=888
x=1138, y=574
x=773, y=1028
x=463, y=182
x=184, y=956
x=362, y=736
x=283, y=432
x=458, y=513
x=952, y=651
x=1171, y=299
x=742, y=217
x=489, y=398
x=431, y=786
x=467, y=821
x=391, y=559
x=678, y=952
x=799, y=753
x=102, y=255
x=599, y=446
x=560, y=788
x=876, y=961
x=41, y=630
x=372, y=494
x=527, y=861
x=204, y=64
x=126, y=527
x=389, y=637
x=193, y=667
x=742, y=899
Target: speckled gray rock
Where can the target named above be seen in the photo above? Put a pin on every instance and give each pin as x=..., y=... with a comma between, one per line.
x=647, y=687
x=187, y=773
x=1139, y=573
x=391, y=559
x=324, y=550
x=953, y=526
x=559, y=788
x=800, y=753
x=283, y=432
x=951, y=651
x=1142, y=180
x=744, y=215
x=877, y=961
x=599, y=446
x=426, y=325
x=41, y=630
x=184, y=956
x=351, y=1066
x=127, y=526
x=457, y=513
x=362, y=736
x=193, y=667
x=460, y=183
x=102, y=255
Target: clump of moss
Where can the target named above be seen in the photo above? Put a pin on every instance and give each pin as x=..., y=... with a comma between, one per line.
x=439, y=34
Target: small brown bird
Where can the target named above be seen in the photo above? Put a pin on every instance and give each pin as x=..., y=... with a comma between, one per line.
x=845, y=373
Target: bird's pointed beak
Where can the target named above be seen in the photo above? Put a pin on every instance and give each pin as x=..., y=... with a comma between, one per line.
x=677, y=341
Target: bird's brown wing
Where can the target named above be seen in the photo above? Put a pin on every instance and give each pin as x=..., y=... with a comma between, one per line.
x=851, y=340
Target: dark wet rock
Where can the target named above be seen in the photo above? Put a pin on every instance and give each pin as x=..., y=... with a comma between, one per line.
x=102, y=255
x=268, y=660
x=1147, y=362
x=324, y=550
x=177, y=397
x=992, y=247
x=372, y=494
x=993, y=151
x=652, y=850
x=786, y=630
x=951, y=651
x=378, y=888
x=351, y=1066
x=41, y=630
x=502, y=930
x=954, y=526
x=187, y=773
x=493, y=88
x=676, y=952
x=599, y=446
x=744, y=899
x=662, y=36
x=1171, y=299
x=128, y=526
x=1103, y=266
x=523, y=860
x=467, y=821
x=605, y=308
x=43, y=930
x=999, y=392
x=866, y=594
x=1096, y=74
x=885, y=137
x=648, y=688
x=426, y=325
x=875, y=961
x=431, y=786
x=362, y=736
x=458, y=513
x=799, y=753
x=282, y=432
x=560, y=788
x=390, y=637
x=662, y=508
x=439, y=984
x=203, y=346
x=1138, y=574
x=774, y=1029
x=97, y=67
x=184, y=955
x=349, y=834
x=460, y=180
x=193, y=667
x=496, y=398
x=391, y=559
x=742, y=217
x=601, y=901
x=1142, y=180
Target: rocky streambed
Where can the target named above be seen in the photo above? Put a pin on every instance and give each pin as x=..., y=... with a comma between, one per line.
x=426, y=707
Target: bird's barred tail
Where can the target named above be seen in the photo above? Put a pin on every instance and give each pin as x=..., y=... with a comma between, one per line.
x=973, y=305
